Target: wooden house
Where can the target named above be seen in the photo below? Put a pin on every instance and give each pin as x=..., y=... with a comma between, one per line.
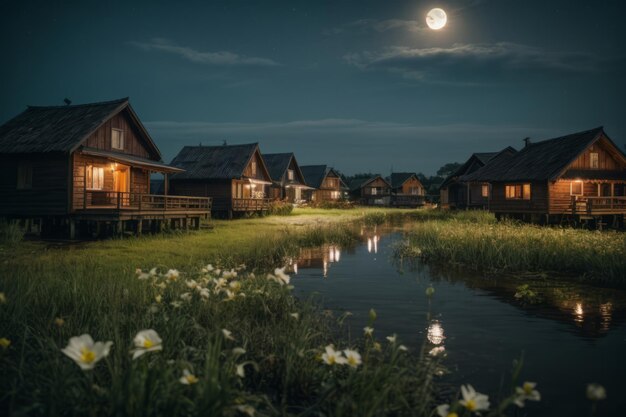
x=456, y=193
x=373, y=191
x=406, y=190
x=86, y=167
x=234, y=176
x=577, y=177
x=326, y=183
x=287, y=178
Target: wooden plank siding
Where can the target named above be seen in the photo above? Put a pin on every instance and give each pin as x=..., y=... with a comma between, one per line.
x=49, y=193
x=133, y=145
x=537, y=204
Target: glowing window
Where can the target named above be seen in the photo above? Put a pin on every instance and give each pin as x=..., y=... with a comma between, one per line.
x=485, y=190
x=593, y=160
x=95, y=177
x=117, y=139
x=576, y=188
x=517, y=192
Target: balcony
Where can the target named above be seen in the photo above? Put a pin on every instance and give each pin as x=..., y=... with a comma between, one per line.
x=593, y=206
x=136, y=203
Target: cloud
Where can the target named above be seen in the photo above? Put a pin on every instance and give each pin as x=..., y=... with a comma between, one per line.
x=365, y=25
x=358, y=145
x=473, y=61
x=221, y=58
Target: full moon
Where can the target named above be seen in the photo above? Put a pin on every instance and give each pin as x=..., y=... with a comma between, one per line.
x=436, y=19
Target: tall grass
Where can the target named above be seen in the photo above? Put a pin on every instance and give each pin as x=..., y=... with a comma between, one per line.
x=10, y=232
x=506, y=246
x=93, y=289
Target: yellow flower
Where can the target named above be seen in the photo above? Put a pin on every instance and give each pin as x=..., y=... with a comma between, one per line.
x=526, y=392
x=228, y=335
x=332, y=356
x=146, y=341
x=82, y=350
x=5, y=343
x=472, y=400
x=188, y=378
x=172, y=275
x=59, y=321
x=158, y=298
x=3, y=298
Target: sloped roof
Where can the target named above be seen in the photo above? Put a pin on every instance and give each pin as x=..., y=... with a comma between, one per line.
x=62, y=128
x=541, y=161
x=314, y=174
x=397, y=179
x=357, y=183
x=213, y=162
x=475, y=162
x=277, y=164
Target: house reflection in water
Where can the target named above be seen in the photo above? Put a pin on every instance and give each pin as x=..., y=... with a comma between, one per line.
x=315, y=258
x=435, y=333
x=372, y=244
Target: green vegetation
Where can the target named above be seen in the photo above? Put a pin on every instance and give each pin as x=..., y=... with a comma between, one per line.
x=10, y=232
x=50, y=295
x=280, y=208
x=476, y=240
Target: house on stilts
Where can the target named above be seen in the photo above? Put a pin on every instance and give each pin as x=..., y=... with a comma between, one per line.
x=85, y=170
x=287, y=179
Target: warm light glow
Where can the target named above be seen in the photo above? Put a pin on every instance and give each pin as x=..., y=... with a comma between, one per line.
x=579, y=313
x=435, y=333
x=436, y=19
x=372, y=244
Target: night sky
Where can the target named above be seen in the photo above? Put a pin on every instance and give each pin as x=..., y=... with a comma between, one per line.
x=361, y=85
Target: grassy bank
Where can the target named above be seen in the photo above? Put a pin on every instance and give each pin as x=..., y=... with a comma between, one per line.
x=481, y=243
x=271, y=364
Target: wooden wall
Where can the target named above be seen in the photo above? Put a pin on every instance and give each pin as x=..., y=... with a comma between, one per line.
x=606, y=159
x=220, y=190
x=260, y=172
x=537, y=204
x=411, y=183
x=49, y=192
x=379, y=183
x=134, y=144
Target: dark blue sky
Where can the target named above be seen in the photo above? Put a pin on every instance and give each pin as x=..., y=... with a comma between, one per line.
x=362, y=85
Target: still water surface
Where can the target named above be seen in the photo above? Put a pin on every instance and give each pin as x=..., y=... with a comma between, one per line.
x=575, y=336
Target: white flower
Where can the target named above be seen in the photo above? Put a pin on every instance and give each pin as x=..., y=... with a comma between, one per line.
x=392, y=339
x=219, y=283
x=158, y=298
x=526, y=392
x=142, y=275
x=235, y=286
x=246, y=409
x=436, y=351
x=332, y=356
x=368, y=331
x=473, y=400
x=188, y=378
x=191, y=283
x=205, y=293
x=146, y=341
x=228, y=334
x=282, y=277
x=186, y=296
x=443, y=410
x=596, y=392
x=403, y=348
x=208, y=268
x=295, y=316
x=172, y=275
x=238, y=351
x=353, y=358
x=240, y=371
x=153, y=272
x=176, y=304
x=82, y=350
x=230, y=296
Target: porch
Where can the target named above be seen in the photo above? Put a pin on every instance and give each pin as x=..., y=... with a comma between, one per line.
x=142, y=204
x=598, y=206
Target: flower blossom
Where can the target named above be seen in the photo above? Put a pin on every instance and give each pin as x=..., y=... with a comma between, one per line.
x=82, y=350
x=146, y=341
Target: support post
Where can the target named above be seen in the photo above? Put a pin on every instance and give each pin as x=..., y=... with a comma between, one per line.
x=139, y=227
x=72, y=228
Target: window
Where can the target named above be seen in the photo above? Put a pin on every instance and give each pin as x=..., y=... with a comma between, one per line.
x=593, y=160
x=484, y=190
x=95, y=177
x=374, y=190
x=24, y=176
x=117, y=139
x=576, y=188
x=290, y=174
x=253, y=168
x=517, y=192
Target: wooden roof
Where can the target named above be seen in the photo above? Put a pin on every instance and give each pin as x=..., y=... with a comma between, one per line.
x=475, y=162
x=278, y=163
x=215, y=162
x=63, y=128
x=541, y=161
x=358, y=183
x=398, y=179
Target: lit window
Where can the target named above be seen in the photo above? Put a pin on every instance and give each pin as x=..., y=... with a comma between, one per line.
x=593, y=160
x=374, y=190
x=485, y=190
x=290, y=174
x=576, y=188
x=117, y=139
x=253, y=168
x=517, y=192
x=24, y=176
x=95, y=177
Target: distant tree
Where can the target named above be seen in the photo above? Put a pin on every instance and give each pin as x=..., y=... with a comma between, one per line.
x=360, y=175
x=448, y=169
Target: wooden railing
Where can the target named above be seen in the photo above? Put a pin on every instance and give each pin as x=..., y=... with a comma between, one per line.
x=250, y=204
x=93, y=199
x=598, y=205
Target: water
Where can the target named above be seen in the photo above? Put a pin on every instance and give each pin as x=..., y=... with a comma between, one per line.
x=575, y=336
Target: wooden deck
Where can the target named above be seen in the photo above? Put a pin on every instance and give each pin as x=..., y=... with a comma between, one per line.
x=407, y=200
x=598, y=206
x=121, y=205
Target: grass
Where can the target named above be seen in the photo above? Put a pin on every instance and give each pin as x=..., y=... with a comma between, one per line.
x=474, y=239
x=93, y=289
